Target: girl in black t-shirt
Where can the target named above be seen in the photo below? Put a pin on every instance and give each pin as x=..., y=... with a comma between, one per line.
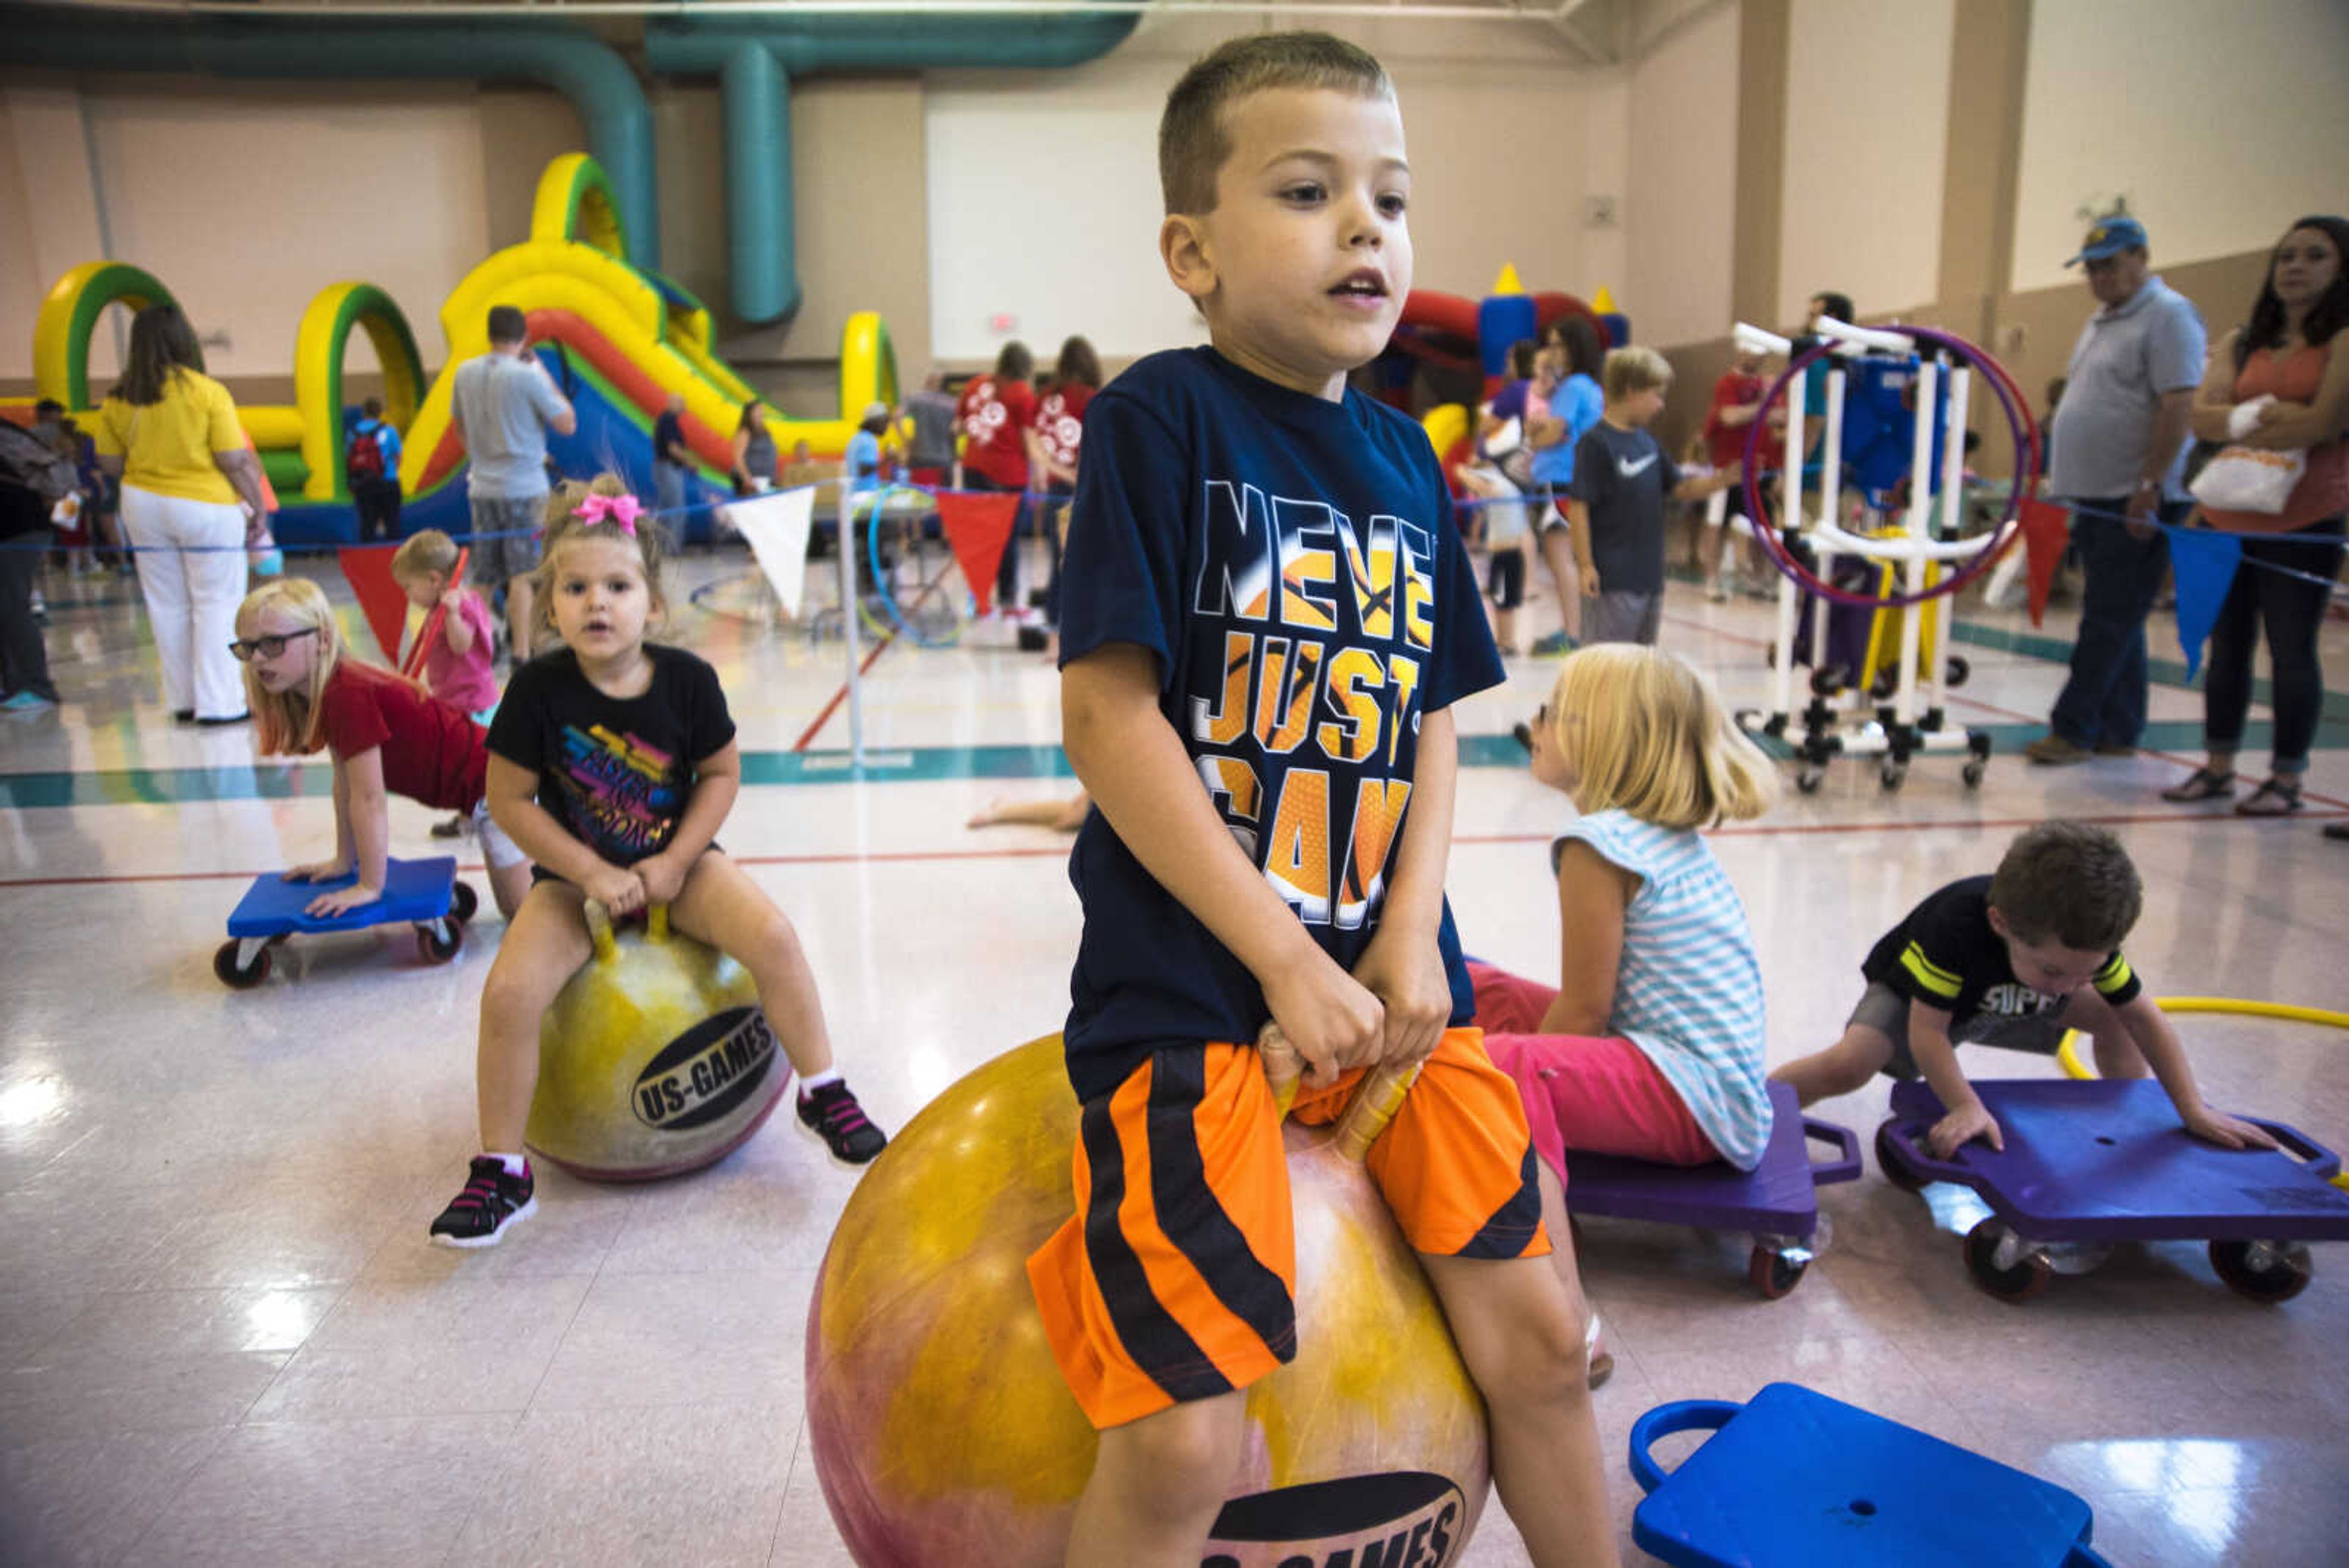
x=612, y=765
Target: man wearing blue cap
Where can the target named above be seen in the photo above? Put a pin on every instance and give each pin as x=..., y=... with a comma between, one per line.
x=2120, y=437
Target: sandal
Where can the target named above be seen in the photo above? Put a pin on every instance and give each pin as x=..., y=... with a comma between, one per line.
x=2203, y=785
x=2285, y=797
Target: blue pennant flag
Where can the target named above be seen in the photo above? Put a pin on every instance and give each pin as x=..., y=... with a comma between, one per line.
x=2204, y=566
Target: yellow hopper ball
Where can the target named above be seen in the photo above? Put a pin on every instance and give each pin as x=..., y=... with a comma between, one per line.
x=943, y=1431
x=655, y=1058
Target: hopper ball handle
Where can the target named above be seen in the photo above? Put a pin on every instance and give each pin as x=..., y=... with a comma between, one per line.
x=599, y=928
x=1376, y=1099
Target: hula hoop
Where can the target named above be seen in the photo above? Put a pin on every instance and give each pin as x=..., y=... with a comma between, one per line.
x=2068, y=1053
x=899, y=623
x=2021, y=426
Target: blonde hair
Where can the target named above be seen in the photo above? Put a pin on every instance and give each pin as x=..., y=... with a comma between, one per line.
x=564, y=526
x=430, y=551
x=1646, y=734
x=287, y=720
x=1634, y=370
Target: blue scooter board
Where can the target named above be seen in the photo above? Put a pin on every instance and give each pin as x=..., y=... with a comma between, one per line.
x=2088, y=1163
x=1776, y=1201
x=424, y=893
x=1792, y=1478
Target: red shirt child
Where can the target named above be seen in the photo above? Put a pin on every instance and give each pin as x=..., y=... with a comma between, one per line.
x=432, y=753
x=995, y=416
x=1725, y=443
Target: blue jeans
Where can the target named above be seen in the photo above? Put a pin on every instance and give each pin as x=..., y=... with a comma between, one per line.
x=2103, y=702
x=668, y=494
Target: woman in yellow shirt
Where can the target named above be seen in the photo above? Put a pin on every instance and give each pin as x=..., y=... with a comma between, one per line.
x=188, y=484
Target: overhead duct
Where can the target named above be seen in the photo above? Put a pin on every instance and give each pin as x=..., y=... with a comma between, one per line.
x=554, y=54
x=755, y=63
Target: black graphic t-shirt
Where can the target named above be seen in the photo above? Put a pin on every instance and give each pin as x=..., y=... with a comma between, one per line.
x=1294, y=565
x=1626, y=478
x=616, y=773
x=1945, y=955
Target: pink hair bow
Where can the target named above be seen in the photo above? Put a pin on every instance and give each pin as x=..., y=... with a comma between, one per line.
x=622, y=511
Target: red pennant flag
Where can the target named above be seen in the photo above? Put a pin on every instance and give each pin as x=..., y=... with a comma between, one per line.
x=977, y=527
x=2046, y=535
x=381, y=600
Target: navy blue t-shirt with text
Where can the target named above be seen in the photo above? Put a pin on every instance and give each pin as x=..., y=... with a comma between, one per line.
x=1293, y=565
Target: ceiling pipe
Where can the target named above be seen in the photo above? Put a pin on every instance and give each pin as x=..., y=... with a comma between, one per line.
x=590, y=74
x=756, y=64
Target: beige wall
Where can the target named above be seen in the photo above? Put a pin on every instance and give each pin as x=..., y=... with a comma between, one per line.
x=2220, y=123
x=1867, y=88
x=1683, y=182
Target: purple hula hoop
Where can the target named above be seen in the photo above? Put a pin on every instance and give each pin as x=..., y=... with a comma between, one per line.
x=2020, y=425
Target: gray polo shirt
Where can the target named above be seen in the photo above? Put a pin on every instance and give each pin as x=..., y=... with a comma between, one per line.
x=503, y=404
x=2127, y=358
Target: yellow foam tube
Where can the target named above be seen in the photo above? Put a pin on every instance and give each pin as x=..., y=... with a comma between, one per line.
x=273, y=426
x=2068, y=1054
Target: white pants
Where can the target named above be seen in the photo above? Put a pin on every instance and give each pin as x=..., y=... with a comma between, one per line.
x=191, y=556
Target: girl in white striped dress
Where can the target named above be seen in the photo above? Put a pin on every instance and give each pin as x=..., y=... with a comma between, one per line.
x=1650, y=1044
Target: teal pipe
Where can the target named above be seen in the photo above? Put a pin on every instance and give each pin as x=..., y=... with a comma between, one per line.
x=755, y=62
x=598, y=83
x=761, y=238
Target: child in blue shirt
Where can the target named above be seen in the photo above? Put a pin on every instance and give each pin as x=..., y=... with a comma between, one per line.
x=1269, y=614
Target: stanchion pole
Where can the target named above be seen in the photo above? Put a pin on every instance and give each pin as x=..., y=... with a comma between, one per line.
x=846, y=545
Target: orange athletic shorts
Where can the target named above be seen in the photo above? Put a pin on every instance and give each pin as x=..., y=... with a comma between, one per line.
x=1174, y=1279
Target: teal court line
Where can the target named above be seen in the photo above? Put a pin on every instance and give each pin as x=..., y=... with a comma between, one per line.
x=913, y=765
x=2161, y=671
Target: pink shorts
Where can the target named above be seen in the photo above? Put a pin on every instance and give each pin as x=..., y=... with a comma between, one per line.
x=1601, y=1096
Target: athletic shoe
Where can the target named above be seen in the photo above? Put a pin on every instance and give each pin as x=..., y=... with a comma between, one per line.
x=833, y=1115
x=453, y=828
x=492, y=1201
x=28, y=702
x=1555, y=644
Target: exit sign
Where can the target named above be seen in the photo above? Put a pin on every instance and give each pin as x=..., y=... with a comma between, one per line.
x=1002, y=321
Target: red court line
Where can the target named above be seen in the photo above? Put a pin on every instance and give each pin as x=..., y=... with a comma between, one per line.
x=1060, y=851
x=841, y=696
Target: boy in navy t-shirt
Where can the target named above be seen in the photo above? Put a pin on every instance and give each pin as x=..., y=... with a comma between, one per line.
x=1269, y=615
x=1623, y=478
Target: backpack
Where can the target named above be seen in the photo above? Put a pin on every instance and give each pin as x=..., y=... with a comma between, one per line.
x=364, y=462
x=31, y=463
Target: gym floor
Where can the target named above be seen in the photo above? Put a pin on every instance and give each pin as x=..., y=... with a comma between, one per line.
x=225, y=1339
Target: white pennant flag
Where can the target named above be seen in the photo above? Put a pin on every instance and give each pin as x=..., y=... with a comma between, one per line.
x=776, y=524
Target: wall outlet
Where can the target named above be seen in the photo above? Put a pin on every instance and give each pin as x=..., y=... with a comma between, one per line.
x=1598, y=211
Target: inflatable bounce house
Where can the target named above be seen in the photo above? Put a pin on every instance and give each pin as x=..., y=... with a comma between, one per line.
x=619, y=339
x=1452, y=332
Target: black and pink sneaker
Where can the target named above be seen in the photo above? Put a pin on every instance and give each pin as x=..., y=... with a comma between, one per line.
x=491, y=1200
x=832, y=1114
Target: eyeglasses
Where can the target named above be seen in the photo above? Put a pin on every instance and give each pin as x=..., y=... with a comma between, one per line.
x=268, y=647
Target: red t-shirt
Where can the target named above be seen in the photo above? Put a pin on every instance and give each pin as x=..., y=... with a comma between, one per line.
x=1725, y=444
x=996, y=415
x=1060, y=422
x=432, y=751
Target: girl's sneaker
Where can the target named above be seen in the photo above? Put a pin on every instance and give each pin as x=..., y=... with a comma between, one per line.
x=491, y=1200
x=832, y=1114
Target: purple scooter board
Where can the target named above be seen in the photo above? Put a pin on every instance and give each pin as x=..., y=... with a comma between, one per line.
x=425, y=893
x=1792, y=1478
x=2088, y=1164
x=1777, y=1201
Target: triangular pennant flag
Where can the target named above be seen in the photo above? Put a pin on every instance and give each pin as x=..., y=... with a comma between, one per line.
x=776, y=524
x=2046, y=535
x=2205, y=565
x=367, y=568
x=977, y=527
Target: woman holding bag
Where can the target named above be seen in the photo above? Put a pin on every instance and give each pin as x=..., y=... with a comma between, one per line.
x=191, y=486
x=2278, y=386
